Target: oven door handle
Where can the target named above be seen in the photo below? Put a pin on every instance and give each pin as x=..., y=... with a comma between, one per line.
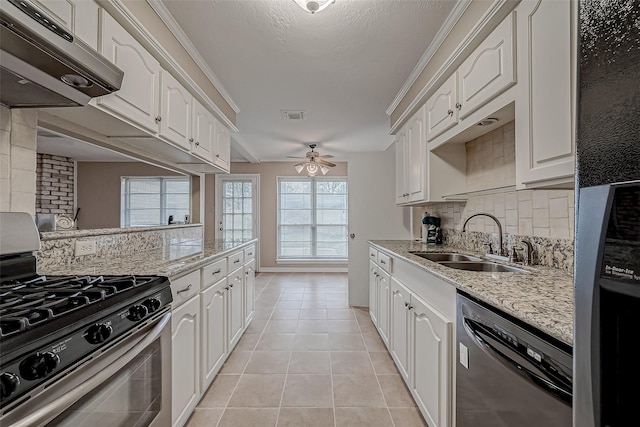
x=554, y=389
x=53, y=409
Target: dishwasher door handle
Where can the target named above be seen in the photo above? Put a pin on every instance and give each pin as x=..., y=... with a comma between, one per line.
x=557, y=390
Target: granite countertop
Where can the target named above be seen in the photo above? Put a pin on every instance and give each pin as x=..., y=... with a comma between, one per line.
x=172, y=261
x=543, y=299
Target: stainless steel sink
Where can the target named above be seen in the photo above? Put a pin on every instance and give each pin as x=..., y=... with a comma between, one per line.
x=445, y=256
x=482, y=266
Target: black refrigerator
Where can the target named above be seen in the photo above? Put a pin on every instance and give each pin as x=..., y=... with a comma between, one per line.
x=607, y=249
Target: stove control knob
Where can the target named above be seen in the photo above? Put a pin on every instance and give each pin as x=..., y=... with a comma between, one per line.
x=152, y=304
x=39, y=365
x=8, y=384
x=97, y=334
x=137, y=312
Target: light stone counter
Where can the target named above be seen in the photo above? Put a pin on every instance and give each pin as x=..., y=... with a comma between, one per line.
x=173, y=262
x=543, y=298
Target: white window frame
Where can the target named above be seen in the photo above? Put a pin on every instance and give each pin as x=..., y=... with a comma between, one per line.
x=124, y=201
x=311, y=259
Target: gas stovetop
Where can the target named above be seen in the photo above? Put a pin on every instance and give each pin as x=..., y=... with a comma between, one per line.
x=25, y=304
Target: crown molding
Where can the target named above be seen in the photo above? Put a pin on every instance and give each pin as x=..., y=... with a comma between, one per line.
x=496, y=13
x=437, y=41
x=178, y=32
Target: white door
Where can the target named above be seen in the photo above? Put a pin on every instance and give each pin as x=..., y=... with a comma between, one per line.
x=373, y=292
x=222, y=147
x=430, y=367
x=203, y=129
x=249, y=292
x=175, y=111
x=185, y=360
x=372, y=215
x=384, y=290
x=399, y=346
x=237, y=202
x=441, y=108
x=416, y=157
x=214, y=336
x=235, y=306
x=401, y=167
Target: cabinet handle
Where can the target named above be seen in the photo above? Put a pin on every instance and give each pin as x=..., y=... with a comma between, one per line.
x=250, y=253
x=406, y=304
x=231, y=285
x=197, y=142
x=216, y=272
x=217, y=155
x=458, y=105
x=410, y=307
x=450, y=112
x=158, y=119
x=382, y=262
x=184, y=289
x=190, y=139
x=236, y=261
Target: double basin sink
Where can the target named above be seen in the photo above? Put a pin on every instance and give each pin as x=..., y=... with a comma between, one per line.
x=467, y=262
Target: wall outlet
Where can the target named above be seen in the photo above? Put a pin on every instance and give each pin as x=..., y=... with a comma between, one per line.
x=85, y=247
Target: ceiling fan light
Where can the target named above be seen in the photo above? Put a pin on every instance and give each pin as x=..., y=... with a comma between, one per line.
x=299, y=168
x=312, y=168
x=313, y=6
x=324, y=170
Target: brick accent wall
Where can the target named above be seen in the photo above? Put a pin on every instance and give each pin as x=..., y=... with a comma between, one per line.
x=54, y=185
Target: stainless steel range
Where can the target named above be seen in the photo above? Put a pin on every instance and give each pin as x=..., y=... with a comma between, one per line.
x=79, y=350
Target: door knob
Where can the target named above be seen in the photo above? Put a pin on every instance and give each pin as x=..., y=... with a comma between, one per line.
x=352, y=235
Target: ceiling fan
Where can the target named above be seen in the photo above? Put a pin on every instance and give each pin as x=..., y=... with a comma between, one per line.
x=313, y=162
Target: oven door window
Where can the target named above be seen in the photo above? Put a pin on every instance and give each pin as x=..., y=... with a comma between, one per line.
x=132, y=396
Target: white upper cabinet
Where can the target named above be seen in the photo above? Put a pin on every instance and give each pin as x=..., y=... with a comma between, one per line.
x=222, y=147
x=78, y=16
x=489, y=70
x=203, y=132
x=402, y=196
x=545, y=110
x=411, y=160
x=442, y=113
x=175, y=111
x=138, y=98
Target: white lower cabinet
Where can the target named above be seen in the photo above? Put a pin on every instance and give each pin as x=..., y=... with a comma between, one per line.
x=430, y=362
x=399, y=345
x=415, y=314
x=236, y=309
x=249, y=292
x=185, y=360
x=373, y=292
x=213, y=304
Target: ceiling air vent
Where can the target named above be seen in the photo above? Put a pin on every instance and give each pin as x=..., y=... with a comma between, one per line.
x=293, y=115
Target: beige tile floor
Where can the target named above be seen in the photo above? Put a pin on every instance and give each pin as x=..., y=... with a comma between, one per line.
x=307, y=359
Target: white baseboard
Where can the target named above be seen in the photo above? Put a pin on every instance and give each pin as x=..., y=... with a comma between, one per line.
x=303, y=270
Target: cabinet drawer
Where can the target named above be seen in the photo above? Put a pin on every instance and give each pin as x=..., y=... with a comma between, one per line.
x=236, y=260
x=250, y=253
x=373, y=254
x=214, y=272
x=185, y=287
x=384, y=262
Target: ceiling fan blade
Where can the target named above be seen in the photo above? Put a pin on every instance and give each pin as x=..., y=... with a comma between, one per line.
x=295, y=157
x=324, y=162
x=326, y=156
x=300, y=164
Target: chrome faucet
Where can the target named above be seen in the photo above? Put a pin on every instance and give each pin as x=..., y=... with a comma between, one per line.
x=501, y=251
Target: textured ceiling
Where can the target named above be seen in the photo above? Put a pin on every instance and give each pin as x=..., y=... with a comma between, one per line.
x=343, y=66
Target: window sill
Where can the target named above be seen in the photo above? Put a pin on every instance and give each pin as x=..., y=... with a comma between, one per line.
x=333, y=261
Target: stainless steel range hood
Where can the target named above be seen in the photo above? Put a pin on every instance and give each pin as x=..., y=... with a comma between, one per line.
x=42, y=65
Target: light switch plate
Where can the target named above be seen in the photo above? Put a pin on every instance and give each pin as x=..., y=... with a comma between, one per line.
x=464, y=356
x=85, y=247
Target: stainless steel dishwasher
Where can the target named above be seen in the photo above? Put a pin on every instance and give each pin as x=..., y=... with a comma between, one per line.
x=507, y=374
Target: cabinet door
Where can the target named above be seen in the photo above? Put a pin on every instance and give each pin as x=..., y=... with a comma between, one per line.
x=373, y=292
x=203, y=132
x=235, y=308
x=545, y=111
x=416, y=158
x=442, y=113
x=214, y=338
x=430, y=365
x=402, y=195
x=399, y=330
x=138, y=98
x=175, y=111
x=384, y=297
x=249, y=292
x=222, y=147
x=86, y=20
x=185, y=360
x=60, y=10
x=489, y=70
